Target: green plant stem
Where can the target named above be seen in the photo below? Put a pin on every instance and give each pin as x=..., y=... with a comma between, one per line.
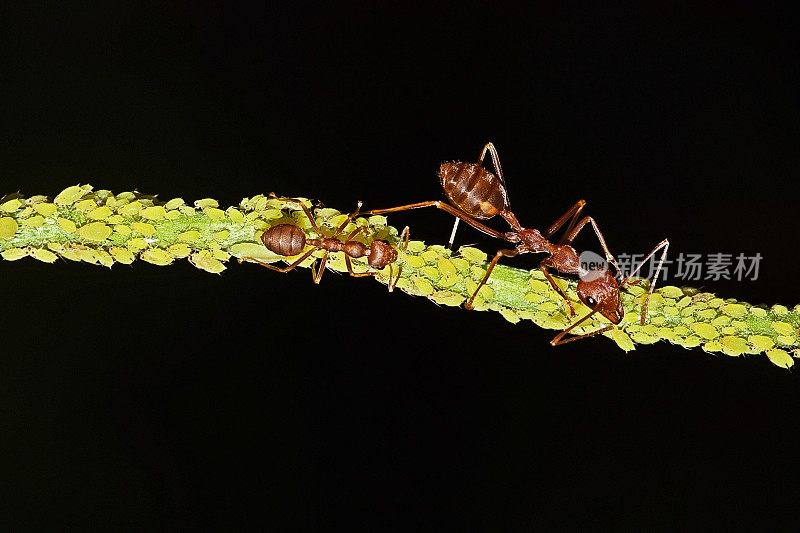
x=99, y=227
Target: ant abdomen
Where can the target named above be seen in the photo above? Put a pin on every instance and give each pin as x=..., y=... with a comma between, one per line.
x=473, y=189
x=284, y=239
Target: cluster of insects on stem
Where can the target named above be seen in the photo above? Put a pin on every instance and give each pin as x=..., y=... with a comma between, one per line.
x=476, y=194
x=290, y=240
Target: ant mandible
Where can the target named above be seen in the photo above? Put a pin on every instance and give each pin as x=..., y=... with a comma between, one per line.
x=478, y=194
x=289, y=240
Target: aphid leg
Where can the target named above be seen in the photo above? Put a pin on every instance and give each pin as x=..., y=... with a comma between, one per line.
x=543, y=267
x=557, y=340
x=664, y=246
x=279, y=269
x=393, y=280
x=500, y=253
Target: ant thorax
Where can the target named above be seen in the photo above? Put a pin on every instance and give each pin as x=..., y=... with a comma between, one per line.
x=532, y=241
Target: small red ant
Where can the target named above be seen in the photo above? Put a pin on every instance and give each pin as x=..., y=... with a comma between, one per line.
x=289, y=240
x=478, y=194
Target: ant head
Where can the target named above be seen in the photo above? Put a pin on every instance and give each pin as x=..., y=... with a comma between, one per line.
x=599, y=291
x=381, y=253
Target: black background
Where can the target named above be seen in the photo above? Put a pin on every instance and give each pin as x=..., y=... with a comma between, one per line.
x=168, y=397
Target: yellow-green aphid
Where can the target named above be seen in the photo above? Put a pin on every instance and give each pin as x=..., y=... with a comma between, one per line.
x=204, y=260
x=221, y=236
x=122, y=255
x=509, y=315
x=175, y=203
x=473, y=255
x=235, y=215
x=44, y=255
x=136, y=244
x=12, y=254
x=66, y=224
x=104, y=258
x=734, y=345
x=156, y=256
x=189, y=236
x=422, y=285
x=414, y=261
x=706, y=331
x=11, y=206
x=213, y=213
x=447, y=298
x=130, y=209
x=206, y=202
x=70, y=195
x=780, y=358
x=46, y=209
x=100, y=213
x=256, y=251
x=783, y=328
x=94, y=231
x=155, y=212
x=33, y=222
x=8, y=227
x=144, y=228
x=86, y=205
x=179, y=250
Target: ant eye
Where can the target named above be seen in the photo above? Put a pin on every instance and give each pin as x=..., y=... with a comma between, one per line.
x=591, y=302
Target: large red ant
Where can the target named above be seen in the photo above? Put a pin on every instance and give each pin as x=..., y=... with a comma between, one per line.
x=478, y=194
x=289, y=240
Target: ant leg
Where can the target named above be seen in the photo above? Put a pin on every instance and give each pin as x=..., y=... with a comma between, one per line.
x=453, y=234
x=393, y=282
x=305, y=208
x=543, y=267
x=348, y=220
x=500, y=253
x=283, y=270
x=557, y=339
x=392, y=278
x=663, y=245
x=355, y=274
x=577, y=229
x=352, y=233
x=495, y=160
x=347, y=261
x=317, y=275
x=438, y=204
x=571, y=215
